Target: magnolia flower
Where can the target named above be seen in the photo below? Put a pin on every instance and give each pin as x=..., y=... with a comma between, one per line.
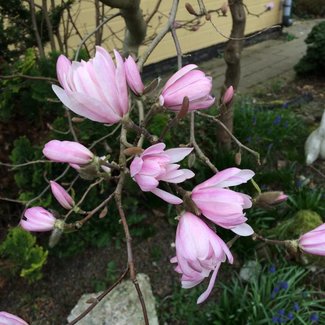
x=133, y=76
x=37, y=219
x=313, y=242
x=62, y=196
x=95, y=89
x=155, y=164
x=10, y=319
x=187, y=82
x=199, y=250
x=223, y=206
x=229, y=94
x=68, y=152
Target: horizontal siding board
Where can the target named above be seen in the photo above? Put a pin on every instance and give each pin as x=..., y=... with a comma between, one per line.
x=204, y=37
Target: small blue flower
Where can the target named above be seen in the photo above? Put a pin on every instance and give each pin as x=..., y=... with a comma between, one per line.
x=277, y=120
x=284, y=285
x=254, y=120
x=290, y=316
x=272, y=268
x=274, y=292
x=296, y=306
x=314, y=318
x=281, y=312
x=275, y=319
x=285, y=105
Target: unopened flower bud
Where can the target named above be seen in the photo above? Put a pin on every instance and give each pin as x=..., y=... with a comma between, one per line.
x=224, y=8
x=67, y=152
x=133, y=151
x=190, y=9
x=62, y=196
x=268, y=200
x=269, y=6
x=133, y=76
x=238, y=158
x=228, y=95
x=38, y=219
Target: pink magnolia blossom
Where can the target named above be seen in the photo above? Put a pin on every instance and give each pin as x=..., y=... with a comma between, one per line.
x=223, y=206
x=68, y=152
x=199, y=250
x=229, y=94
x=187, y=82
x=155, y=164
x=62, y=196
x=133, y=76
x=10, y=319
x=313, y=242
x=37, y=219
x=95, y=89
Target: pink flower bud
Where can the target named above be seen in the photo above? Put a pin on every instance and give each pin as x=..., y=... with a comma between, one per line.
x=191, y=83
x=269, y=5
x=223, y=206
x=229, y=94
x=62, y=195
x=154, y=165
x=313, y=242
x=133, y=76
x=199, y=251
x=37, y=219
x=270, y=199
x=224, y=8
x=95, y=89
x=67, y=152
x=10, y=319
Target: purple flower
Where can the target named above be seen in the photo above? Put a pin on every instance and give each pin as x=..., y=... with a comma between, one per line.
x=314, y=318
x=37, y=219
x=191, y=83
x=296, y=306
x=96, y=89
x=199, y=251
x=67, y=152
x=10, y=319
x=133, y=76
x=272, y=268
x=222, y=206
x=155, y=165
x=277, y=120
x=62, y=195
x=313, y=242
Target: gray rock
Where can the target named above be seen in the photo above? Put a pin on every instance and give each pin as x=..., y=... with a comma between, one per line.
x=120, y=307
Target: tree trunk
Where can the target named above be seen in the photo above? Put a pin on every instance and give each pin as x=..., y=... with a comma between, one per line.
x=136, y=26
x=232, y=57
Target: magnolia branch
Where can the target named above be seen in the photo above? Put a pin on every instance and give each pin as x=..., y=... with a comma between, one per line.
x=240, y=145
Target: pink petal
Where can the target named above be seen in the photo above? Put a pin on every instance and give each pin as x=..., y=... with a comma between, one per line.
x=63, y=66
x=243, y=230
x=136, y=166
x=146, y=183
x=168, y=197
x=177, y=154
x=180, y=73
x=207, y=292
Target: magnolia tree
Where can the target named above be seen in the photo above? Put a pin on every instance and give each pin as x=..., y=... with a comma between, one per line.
x=107, y=92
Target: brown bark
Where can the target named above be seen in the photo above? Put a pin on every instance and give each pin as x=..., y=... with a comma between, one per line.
x=232, y=57
x=136, y=26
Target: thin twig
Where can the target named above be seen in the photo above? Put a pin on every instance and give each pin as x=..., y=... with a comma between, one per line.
x=14, y=166
x=24, y=76
x=85, y=39
x=240, y=145
x=100, y=297
x=160, y=35
x=155, y=9
x=197, y=149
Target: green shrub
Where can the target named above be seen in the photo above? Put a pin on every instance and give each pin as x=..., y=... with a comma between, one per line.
x=21, y=255
x=313, y=62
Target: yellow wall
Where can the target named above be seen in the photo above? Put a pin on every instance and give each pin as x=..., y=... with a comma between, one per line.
x=205, y=36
